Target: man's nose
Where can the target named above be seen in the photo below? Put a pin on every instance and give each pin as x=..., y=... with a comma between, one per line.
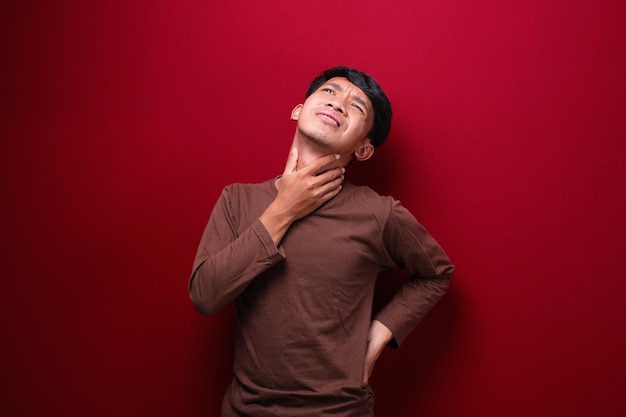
x=335, y=104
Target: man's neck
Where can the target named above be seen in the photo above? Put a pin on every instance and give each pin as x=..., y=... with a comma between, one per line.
x=308, y=152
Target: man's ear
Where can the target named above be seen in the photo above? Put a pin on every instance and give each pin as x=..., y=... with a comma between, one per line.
x=364, y=152
x=295, y=113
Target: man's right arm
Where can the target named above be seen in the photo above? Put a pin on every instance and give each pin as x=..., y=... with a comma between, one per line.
x=225, y=263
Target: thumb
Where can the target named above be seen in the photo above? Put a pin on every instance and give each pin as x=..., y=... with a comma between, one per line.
x=367, y=372
x=292, y=161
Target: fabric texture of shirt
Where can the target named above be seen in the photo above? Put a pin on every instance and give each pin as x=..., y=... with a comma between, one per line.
x=305, y=308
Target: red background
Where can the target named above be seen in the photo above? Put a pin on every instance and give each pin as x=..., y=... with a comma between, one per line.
x=122, y=121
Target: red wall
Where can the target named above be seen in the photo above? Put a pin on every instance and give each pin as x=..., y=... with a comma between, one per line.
x=121, y=122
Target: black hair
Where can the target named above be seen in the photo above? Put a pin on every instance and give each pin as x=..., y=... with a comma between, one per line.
x=380, y=102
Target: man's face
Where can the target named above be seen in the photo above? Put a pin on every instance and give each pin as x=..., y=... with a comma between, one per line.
x=338, y=117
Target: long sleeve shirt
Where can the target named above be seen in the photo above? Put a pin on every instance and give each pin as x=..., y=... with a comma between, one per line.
x=304, y=308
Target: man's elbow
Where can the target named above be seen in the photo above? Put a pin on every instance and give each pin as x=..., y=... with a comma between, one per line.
x=202, y=299
x=204, y=307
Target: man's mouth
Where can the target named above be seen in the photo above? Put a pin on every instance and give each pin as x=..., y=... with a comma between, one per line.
x=329, y=118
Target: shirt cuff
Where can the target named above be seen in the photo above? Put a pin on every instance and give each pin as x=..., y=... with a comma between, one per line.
x=276, y=254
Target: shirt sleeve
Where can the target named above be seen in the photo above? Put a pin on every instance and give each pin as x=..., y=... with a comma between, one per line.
x=409, y=246
x=226, y=262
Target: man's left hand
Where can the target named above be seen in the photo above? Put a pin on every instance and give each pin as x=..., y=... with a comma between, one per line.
x=379, y=336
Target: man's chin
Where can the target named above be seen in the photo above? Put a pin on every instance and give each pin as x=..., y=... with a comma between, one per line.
x=317, y=139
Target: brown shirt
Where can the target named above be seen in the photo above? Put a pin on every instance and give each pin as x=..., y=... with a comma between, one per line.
x=305, y=308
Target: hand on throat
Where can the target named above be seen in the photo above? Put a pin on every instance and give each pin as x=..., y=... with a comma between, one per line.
x=309, y=151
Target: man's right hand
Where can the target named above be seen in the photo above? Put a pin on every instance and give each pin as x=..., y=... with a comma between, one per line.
x=302, y=191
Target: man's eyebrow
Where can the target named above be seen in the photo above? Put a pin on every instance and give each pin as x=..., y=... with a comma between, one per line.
x=356, y=98
x=360, y=101
x=336, y=86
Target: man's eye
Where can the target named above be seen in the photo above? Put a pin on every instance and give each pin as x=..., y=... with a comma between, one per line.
x=358, y=108
x=329, y=90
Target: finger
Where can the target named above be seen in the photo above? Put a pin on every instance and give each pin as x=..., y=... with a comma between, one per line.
x=332, y=184
x=292, y=161
x=329, y=176
x=335, y=175
x=328, y=190
x=330, y=194
x=366, y=376
x=322, y=164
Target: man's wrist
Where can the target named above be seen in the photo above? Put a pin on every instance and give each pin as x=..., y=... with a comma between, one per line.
x=276, y=224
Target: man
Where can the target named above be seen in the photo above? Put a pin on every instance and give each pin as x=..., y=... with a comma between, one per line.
x=299, y=254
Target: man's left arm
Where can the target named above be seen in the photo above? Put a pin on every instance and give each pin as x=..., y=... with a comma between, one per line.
x=411, y=247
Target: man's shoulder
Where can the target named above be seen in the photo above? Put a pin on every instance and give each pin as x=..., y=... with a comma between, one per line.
x=365, y=193
x=246, y=201
x=366, y=197
x=242, y=188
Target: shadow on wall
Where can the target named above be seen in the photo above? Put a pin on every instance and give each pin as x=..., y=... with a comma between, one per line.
x=216, y=343
x=404, y=378
x=378, y=172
